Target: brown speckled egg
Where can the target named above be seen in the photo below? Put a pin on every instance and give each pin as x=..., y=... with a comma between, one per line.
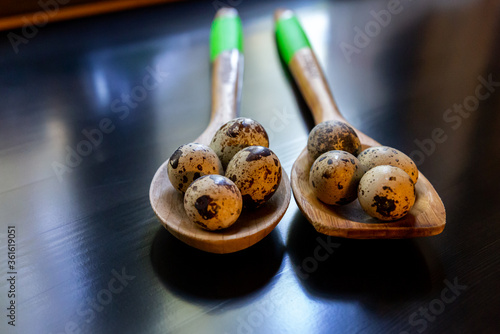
x=256, y=170
x=190, y=162
x=332, y=135
x=386, y=192
x=334, y=177
x=235, y=135
x=384, y=155
x=213, y=202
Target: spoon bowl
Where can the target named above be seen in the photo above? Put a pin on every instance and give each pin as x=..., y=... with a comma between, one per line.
x=251, y=227
x=426, y=218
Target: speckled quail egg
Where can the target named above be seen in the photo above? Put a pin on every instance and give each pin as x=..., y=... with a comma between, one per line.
x=332, y=135
x=386, y=192
x=384, y=155
x=213, y=202
x=236, y=135
x=256, y=170
x=334, y=177
x=190, y=162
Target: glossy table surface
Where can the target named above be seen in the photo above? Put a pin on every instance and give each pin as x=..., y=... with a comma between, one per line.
x=90, y=108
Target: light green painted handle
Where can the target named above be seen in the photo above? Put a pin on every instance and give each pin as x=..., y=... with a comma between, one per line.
x=226, y=33
x=290, y=37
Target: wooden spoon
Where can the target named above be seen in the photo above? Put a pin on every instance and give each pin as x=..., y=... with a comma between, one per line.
x=426, y=218
x=252, y=226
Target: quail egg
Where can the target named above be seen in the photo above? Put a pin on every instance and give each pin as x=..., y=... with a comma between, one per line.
x=236, y=135
x=213, y=202
x=384, y=155
x=256, y=170
x=190, y=162
x=334, y=177
x=386, y=192
x=332, y=135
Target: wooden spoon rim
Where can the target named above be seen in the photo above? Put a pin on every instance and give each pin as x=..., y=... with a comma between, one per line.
x=242, y=234
x=419, y=221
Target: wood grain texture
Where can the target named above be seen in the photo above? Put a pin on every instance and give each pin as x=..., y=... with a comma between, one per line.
x=253, y=225
x=426, y=218
x=70, y=11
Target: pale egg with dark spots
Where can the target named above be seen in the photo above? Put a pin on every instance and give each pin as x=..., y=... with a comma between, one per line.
x=334, y=177
x=256, y=170
x=332, y=135
x=384, y=155
x=213, y=202
x=386, y=193
x=191, y=161
x=235, y=135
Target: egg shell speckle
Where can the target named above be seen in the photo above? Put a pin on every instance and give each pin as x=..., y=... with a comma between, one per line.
x=191, y=161
x=213, y=202
x=386, y=193
x=235, y=135
x=256, y=170
x=334, y=177
x=384, y=155
x=332, y=135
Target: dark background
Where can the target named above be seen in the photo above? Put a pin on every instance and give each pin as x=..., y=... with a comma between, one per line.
x=76, y=232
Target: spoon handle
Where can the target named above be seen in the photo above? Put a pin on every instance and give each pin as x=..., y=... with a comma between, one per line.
x=296, y=51
x=226, y=55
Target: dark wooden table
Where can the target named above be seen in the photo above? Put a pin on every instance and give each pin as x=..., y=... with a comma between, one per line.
x=90, y=108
